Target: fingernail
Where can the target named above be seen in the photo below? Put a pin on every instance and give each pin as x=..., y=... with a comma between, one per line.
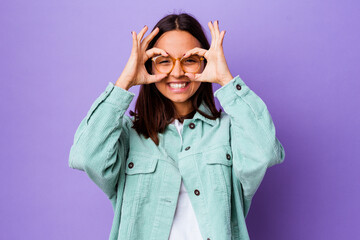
x=144, y=25
x=131, y=32
x=217, y=21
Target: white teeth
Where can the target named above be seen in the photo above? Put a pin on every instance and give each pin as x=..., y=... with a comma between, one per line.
x=177, y=85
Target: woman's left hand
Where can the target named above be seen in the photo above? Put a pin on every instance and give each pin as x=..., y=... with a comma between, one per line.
x=216, y=69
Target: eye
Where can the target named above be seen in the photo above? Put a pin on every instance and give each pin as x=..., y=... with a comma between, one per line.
x=191, y=60
x=164, y=61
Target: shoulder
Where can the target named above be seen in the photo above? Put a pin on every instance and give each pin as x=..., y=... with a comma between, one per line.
x=221, y=122
x=224, y=117
x=127, y=122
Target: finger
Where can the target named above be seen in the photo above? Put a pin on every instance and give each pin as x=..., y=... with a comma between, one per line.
x=154, y=51
x=135, y=45
x=216, y=30
x=211, y=27
x=142, y=33
x=155, y=78
x=222, y=34
x=196, y=77
x=148, y=38
x=196, y=50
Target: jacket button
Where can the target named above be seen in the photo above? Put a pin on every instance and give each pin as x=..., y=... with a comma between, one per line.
x=187, y=148
x=238, y=86
x=228, y=157
x=197, y=192
x=208, y=239
x=131, y=164
x=192, y=125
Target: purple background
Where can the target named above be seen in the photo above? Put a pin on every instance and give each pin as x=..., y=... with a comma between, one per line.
x=300, y=57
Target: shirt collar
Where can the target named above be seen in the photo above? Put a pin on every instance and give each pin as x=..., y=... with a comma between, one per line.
x=205, y=109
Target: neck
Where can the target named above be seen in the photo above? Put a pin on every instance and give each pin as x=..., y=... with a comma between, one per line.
x=183, y=109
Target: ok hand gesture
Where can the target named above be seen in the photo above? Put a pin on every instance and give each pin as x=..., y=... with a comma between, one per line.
x=216, y=69
x=135, y=72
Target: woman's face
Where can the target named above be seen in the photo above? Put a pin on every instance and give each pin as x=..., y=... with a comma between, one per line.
x=176, y=43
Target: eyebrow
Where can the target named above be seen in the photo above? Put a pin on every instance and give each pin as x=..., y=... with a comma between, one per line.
x=172, y=55
x=179, y=57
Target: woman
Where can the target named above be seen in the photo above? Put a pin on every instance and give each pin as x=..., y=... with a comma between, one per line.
x=177, y=168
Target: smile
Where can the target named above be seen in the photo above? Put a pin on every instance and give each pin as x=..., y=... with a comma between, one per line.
x=179, y=87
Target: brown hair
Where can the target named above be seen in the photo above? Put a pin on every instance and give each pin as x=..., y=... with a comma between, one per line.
x=153, y=111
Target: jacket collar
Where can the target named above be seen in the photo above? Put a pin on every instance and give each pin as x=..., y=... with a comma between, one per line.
x=205, y=109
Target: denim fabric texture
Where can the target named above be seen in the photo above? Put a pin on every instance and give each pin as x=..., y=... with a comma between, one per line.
x=222, y=163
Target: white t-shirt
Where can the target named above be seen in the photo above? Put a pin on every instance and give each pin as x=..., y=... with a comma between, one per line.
x=185, y=225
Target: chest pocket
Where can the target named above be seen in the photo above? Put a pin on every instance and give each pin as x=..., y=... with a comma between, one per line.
x=139, y=174
x=219, y=164
x=140, y=164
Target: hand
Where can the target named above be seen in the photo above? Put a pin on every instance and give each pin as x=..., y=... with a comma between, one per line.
x=135, y=72
x=216, y=69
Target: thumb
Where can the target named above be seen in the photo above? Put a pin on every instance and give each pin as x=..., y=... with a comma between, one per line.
x=193, y=76
x=157, y=77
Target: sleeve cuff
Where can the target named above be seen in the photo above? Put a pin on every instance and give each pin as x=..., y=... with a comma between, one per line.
x=233, y=89
x=118, y=96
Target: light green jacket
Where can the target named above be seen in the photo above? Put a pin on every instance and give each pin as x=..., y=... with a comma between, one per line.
x=221, y=162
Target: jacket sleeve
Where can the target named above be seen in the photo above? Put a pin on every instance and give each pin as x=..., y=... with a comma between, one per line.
x=254, y=144
x=101, y=140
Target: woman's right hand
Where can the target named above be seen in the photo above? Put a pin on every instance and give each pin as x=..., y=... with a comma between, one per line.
x=135, y=72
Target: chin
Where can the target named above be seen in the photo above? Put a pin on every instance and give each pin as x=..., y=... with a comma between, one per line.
x=179, y=100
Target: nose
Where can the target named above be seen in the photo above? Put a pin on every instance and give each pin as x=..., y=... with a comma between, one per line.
x=177, y=70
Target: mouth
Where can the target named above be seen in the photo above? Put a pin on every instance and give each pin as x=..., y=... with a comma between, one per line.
x=178, y=85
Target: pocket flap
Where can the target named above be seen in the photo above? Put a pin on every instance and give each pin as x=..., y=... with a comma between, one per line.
x=140, y=164
x=219, y=155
